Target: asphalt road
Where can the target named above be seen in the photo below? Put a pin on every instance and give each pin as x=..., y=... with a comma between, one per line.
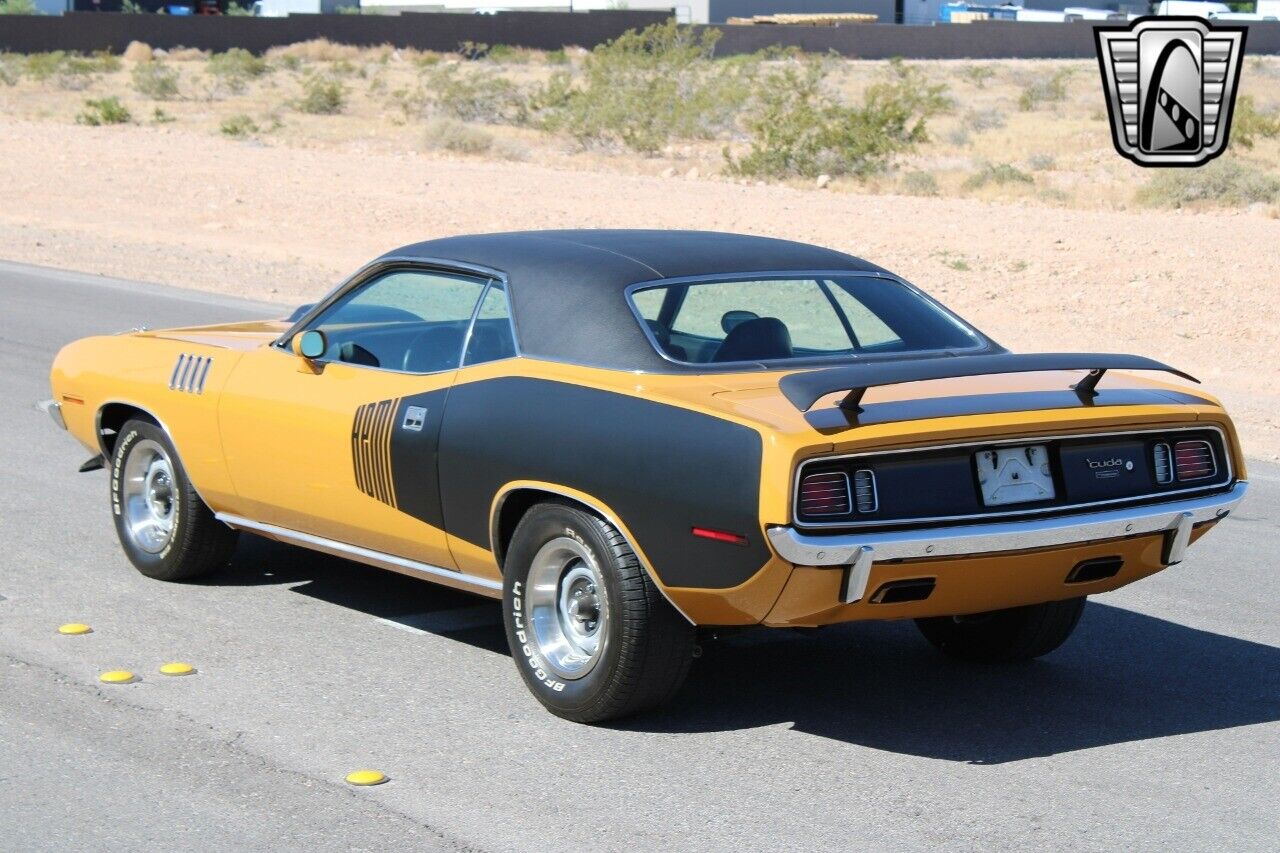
x=1154, y=728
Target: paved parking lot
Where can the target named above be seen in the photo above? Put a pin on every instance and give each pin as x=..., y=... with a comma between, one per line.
x=1155, y=727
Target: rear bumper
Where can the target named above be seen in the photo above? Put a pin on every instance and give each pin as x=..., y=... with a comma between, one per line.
x=860, y=551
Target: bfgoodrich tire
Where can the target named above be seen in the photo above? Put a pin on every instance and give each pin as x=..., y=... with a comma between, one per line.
x=1021, y=633
x=590, y=634
x=165, y=529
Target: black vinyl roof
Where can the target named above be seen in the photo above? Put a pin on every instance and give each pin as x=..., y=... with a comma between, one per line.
x=567, y=288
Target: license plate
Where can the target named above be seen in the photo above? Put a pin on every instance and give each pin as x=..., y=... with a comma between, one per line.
x=1015, y=475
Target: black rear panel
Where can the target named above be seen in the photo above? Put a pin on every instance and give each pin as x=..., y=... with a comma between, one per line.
x=916, y=486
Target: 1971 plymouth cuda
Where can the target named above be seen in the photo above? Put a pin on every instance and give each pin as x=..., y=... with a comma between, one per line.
x=628, y=435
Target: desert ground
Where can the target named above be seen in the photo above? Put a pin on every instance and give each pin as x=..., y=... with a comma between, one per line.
x=284, y=206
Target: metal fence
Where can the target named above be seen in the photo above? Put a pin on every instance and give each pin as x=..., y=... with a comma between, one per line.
x=552, y=30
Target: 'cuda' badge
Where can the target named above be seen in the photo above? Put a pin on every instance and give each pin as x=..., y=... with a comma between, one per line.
x=414, y=418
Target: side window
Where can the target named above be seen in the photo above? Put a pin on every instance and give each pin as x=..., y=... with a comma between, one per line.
x=491, y=338
x=410, y=320
x=711, y=310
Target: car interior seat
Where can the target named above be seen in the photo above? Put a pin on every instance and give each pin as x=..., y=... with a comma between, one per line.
x=755, y=340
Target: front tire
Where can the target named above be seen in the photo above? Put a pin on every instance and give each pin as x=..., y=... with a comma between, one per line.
x=591, y=635
x=1001, y=636
x=165, y=529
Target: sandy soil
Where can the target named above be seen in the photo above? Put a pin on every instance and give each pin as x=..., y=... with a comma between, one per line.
x=284, y=224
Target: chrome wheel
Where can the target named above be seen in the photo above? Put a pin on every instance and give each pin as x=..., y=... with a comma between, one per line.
x=567, y=606
x=148, y=496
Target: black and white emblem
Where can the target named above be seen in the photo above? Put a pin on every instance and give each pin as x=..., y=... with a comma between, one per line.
x=1170, y=85
x=414, y=417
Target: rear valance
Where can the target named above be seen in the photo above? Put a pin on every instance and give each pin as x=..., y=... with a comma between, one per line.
x=806, y=388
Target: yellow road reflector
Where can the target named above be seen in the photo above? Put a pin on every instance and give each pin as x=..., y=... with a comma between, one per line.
x=74, y=628
x=117, y=676
x=177, y=669
x=366, y=777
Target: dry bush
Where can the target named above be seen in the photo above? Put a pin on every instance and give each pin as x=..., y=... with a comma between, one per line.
x=155, y=80
x=322, y=95
x=1248, y=122
x=232, y=71
x=999, y=174
x=919, y=183
x=184, y=54
x=104, y=111
x=238, y=126
x=1224, y=182
x=980, y=120
x=478, y=95
x=1046, y=90
x=316, y=50
x=449, y=134
x=138, y=51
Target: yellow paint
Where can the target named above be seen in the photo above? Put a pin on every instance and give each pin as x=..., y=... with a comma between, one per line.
x=177, y=669
x=366, y=777
x=74, y=628
x=272, y=442
x=117, y=676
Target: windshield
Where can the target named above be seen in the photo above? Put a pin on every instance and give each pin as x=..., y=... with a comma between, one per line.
x=791, y=317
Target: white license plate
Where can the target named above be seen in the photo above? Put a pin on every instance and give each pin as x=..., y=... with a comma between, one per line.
x=1015, y=475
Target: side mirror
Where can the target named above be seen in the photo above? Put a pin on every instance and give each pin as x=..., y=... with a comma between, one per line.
x=309, y=344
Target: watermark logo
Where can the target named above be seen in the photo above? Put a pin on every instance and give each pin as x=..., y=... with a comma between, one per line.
x=1170, y=85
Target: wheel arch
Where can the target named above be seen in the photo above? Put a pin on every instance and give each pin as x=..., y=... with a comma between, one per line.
x=515, y=499
x=113, y=415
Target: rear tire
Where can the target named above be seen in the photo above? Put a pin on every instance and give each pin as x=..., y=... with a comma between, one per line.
x=1021, y=633
x=591, y=635
x=165, y=529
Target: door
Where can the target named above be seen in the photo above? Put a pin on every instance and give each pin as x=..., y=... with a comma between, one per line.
x=344, y=446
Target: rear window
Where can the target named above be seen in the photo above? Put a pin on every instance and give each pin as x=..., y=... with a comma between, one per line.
x=793, y=317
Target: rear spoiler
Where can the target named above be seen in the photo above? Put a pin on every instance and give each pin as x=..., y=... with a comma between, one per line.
x=806, y=388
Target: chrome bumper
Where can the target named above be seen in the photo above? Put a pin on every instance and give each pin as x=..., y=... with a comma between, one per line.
x=859, y=551
x=54, y=410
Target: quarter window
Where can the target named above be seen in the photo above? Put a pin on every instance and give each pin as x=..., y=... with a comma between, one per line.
x=491, y=337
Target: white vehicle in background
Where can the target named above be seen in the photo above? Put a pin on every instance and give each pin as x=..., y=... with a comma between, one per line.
x=1191, y=8
x=284, y=8
x=1041, y=15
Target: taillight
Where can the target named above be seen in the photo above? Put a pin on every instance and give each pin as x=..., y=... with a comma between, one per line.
x=1194, y=460
x=825, y=494
x=1162, y=460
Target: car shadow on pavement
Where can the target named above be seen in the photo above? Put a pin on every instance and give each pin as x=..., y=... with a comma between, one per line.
x=405, y=601
x=1121, y=677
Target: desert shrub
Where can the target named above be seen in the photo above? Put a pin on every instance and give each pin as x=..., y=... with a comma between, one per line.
x=130, y=7
x=322, y=95
x=645, y=88
x=315, y=50
x=796, y=128
x=238, y=126
x=1248, y=123
x=159, y=116
x=1045, y=90
x=10, y=70
x=479, y=96
x=449, y=134
x=232, y=71
x=998, y=174
x=18, y=7
x=980, y=120
x=236, y=10
x=556, y=57
x=958, y=136
x=1229, y=183
x=919, y=183
x=104, y=111
x=155, y=80
x=1041, y=162
x=42, y=66
x=139, y=51
x=978, y=75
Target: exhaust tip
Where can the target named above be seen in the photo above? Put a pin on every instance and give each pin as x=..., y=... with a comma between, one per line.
x=1097, y=569
x=897, y=592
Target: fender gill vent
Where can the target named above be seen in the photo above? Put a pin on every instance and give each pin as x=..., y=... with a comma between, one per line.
x=864, y=490
x=371, y=449
x=1163, y=463
x=1097, y=569
x=190, y=373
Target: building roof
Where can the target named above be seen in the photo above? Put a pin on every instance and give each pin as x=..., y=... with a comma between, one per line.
x=567, y=287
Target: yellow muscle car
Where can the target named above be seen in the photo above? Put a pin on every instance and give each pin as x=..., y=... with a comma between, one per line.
x=628, y=436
